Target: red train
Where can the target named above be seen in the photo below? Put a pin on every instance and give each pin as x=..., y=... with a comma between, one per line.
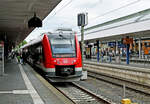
x=58, y=55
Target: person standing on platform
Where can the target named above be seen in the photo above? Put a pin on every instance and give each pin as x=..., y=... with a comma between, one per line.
x=18, y=57
x=24, y=57
x=21, y=59
x=110, y=56
x=102, y=55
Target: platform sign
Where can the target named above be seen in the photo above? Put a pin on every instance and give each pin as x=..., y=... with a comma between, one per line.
x=1, y=58
x=121, y=45
x=82, y=19
x=127, y=40
x=111, y=44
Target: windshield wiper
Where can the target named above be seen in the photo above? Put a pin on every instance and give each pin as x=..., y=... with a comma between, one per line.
x=66, y=39
x=62, y=36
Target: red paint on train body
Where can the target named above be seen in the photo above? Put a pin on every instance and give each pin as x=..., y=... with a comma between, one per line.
x=61, y=54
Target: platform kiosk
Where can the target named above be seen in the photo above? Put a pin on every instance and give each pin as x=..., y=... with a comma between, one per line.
x=1, y=58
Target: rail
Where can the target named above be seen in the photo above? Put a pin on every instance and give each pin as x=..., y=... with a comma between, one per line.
x=138, y=76
x=80, y=95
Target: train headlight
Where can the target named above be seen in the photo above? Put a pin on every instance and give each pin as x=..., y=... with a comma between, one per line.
x=73, y=61
x=54, y=60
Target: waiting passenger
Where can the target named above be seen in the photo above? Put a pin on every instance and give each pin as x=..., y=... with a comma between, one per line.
x=18, y=57
x=24, y=56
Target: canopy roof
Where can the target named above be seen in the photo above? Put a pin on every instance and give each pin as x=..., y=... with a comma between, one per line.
x=14, y=16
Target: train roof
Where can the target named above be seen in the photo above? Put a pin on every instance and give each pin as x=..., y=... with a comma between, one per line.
x=32, y=42
x=39, y=39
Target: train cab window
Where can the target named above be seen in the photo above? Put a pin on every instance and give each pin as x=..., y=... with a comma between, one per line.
x=43, y=57
x=63, y=45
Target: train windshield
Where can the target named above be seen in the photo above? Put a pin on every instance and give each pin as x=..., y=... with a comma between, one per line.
x=63, y=45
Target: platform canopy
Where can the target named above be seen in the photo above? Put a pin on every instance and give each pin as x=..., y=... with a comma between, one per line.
x=14, y=16
x=136, y=25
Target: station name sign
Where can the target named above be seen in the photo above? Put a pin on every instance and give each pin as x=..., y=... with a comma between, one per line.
x=127, y=40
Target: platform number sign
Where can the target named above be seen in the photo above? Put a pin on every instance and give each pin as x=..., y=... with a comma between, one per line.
x=82, y=19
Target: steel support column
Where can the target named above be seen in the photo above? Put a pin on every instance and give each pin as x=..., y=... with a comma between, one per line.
x=97, y=51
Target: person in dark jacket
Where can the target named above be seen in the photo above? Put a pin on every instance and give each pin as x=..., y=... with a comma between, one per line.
x=24, y=57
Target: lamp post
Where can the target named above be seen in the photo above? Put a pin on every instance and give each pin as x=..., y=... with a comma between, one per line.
x=82, y=42
x=82, y=21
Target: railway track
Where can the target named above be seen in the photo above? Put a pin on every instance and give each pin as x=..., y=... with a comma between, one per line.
x=80, y=95
x=117, y=80
x=76, y=93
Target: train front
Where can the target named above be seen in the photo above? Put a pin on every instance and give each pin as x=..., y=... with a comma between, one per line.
x=63, y=62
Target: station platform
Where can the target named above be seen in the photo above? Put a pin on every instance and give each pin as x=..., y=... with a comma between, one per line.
x=21, y=85
x=136, y=73
x=134, y=62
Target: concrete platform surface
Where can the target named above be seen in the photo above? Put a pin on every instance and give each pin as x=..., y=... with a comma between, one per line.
x=20, y=85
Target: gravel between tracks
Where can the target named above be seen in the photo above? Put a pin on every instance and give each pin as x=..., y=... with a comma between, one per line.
x=112, y=92
x=76, y=94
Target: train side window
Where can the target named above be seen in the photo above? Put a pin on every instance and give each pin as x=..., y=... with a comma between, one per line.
x=43, y=55
x=40, y=53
